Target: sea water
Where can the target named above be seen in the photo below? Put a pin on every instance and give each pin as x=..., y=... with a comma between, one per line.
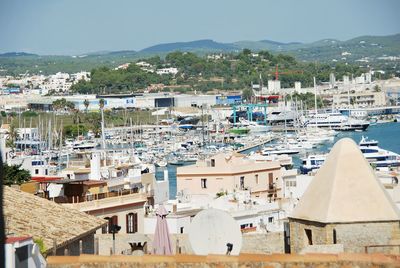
x=388, y=135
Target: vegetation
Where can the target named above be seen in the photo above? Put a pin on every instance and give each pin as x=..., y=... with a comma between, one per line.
x=72, y=131
x=63, y=104
x=87, y=121
x=326, y=50
x=29, y=114
x=15, y=175
x=308, y=100
x=233, y=72
x=42, y=247
x=12, y=135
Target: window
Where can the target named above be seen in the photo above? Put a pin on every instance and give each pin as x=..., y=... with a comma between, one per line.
x=36, y=171
x=308, y=236
x=131, y=223
x=256, y=178
x=270, y=219
x=213, y=162
x=334, y=237
x=270, y=178
x=106, y=228
x=181, y=230
x=242, y=183
x=204, y=183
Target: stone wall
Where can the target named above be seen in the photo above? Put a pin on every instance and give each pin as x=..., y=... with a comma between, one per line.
x=298, y=237
x=353, y=236
x=356, y=236
x=252, y=243
x=74, y=248
x=265, y=243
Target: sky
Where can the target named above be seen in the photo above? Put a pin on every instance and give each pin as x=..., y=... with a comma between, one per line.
x=71, y=27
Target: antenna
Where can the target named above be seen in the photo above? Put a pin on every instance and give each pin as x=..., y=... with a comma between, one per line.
x=213, y=231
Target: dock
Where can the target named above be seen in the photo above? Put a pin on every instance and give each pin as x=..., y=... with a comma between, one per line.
x=256, y=144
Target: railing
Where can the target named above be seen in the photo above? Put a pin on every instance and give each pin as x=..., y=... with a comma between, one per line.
x=249, y=229
x=109, y=200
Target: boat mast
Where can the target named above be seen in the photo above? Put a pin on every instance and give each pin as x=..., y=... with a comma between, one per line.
x=315, y=103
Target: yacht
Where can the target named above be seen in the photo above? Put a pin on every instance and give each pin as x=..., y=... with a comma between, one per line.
x=280, y=149
x=82, y=144
x=253, y=126
x=311, y=163
x=375, y=155
x=336, y=121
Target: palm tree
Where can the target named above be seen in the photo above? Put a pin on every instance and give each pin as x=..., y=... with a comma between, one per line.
x=86, y=103
x=12, y=135
x=101, y=104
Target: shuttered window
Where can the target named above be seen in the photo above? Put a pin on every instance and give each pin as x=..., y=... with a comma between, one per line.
x=131, y=223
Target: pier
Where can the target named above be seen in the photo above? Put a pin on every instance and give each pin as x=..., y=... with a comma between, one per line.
x=256, y=144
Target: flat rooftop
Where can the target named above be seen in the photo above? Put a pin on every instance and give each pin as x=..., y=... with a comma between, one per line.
x=243, y=260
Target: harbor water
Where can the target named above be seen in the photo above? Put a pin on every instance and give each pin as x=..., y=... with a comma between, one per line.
x=388, y=135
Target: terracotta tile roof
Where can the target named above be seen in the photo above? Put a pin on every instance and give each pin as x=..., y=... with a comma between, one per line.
x=29, y=215
x=11, y=240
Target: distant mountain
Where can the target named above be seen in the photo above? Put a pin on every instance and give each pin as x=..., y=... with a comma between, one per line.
x=16, y=54
x=365, y=50
x=266, y=45
x=198, y=45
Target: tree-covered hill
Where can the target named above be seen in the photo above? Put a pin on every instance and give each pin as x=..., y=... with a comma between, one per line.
x=365, y=51
x=233, y=71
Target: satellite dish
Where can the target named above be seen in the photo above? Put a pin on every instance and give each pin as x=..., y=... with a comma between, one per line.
x=213, y=231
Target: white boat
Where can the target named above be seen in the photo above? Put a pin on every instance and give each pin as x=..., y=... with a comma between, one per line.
x=335, y=121
x=161, y=163
x=312, y=162
x=279, y=149
x=375, y=155
x=253, y=126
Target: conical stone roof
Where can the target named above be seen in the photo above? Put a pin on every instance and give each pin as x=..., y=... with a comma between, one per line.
x=345, y=190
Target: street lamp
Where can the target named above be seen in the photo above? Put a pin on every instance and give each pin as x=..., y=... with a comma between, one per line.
x=114, y=229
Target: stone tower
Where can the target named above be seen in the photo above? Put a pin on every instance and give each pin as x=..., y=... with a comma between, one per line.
x=345, y=208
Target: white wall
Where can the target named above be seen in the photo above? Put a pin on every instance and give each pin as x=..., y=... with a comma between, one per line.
x=174, y=224
x=198, y=100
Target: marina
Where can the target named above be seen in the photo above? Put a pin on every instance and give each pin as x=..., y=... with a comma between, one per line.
x=199, y=134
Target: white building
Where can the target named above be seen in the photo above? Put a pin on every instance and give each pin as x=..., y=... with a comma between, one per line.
x=22, y=252
x=274, y=86
x=195, y=100
x=170, y=70
x=359, y=99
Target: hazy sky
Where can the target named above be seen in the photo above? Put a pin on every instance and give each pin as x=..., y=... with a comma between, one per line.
x=79, y=26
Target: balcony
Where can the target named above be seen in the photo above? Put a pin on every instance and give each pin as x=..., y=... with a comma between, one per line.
x=109, y=202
